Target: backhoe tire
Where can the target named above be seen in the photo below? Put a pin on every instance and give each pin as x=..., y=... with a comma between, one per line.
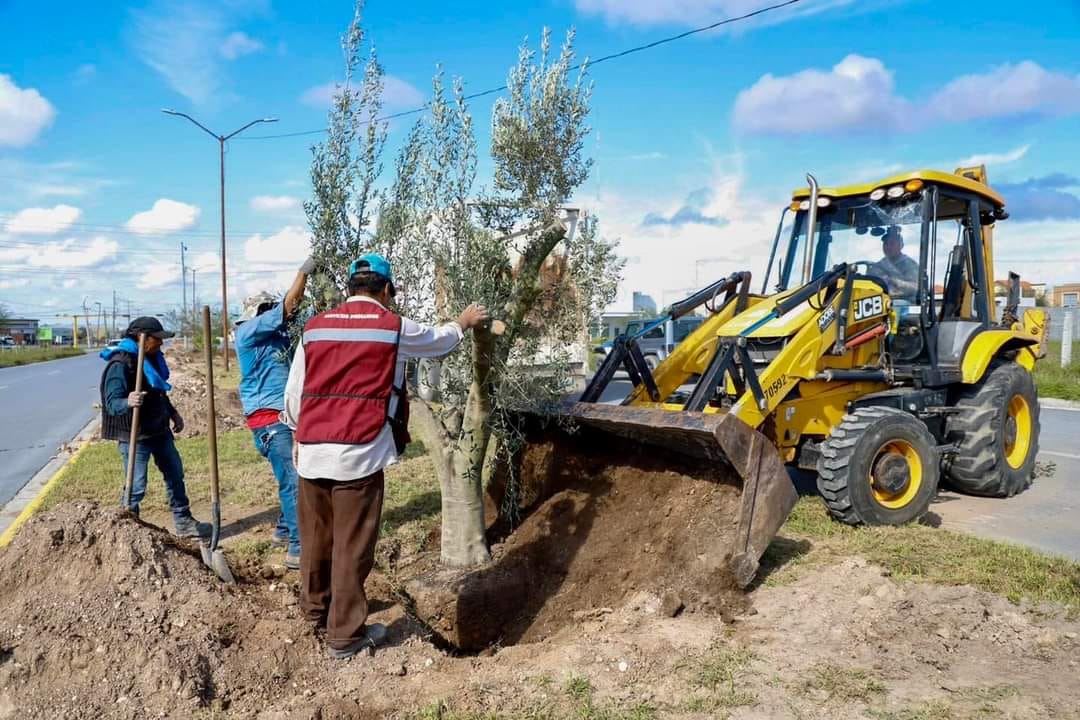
x=997, y=434
x=878, y=467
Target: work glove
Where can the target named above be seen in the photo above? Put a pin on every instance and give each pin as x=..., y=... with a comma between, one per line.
x=178, y=422
x=135, y=399
x=308, y=267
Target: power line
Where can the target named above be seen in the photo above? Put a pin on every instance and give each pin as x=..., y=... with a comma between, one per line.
x=590, y=63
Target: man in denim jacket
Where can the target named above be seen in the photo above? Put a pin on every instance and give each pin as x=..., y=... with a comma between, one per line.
x=262, y=347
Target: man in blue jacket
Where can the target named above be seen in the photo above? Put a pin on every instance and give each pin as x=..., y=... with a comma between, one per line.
x=262, y=347
x=118, y=398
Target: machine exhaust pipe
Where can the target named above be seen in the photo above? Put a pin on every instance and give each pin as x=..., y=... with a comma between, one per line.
x=811, y=227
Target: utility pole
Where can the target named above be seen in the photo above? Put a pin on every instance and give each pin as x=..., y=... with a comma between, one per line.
x=194, y=297
x=221, y=154
x=183, y=284
x=86, y=312
x=114, y=313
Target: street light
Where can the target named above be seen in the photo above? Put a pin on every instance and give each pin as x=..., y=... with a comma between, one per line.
x=221, y=153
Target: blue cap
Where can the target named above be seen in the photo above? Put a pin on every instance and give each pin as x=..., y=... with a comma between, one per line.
x=372, y=262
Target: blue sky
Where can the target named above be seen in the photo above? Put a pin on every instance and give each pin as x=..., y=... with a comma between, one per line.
x=696, y=143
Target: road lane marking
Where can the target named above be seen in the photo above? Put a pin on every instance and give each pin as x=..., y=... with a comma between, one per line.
x=1055, y=453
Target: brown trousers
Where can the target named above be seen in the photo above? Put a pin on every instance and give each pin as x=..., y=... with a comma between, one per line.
x=339, y=525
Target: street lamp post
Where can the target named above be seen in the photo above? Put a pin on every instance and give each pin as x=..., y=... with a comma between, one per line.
x=221, y=154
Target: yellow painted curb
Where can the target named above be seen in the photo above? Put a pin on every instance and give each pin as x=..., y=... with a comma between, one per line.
x=32, y=508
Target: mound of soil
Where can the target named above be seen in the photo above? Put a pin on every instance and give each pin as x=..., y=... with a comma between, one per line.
x=189, y=395
x=601, y=523
x=104, y=616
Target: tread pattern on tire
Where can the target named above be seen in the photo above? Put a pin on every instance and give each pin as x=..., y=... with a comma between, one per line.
x=834, y=465
x=979, y=466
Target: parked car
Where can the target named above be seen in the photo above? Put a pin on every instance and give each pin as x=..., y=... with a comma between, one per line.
x=658, y=343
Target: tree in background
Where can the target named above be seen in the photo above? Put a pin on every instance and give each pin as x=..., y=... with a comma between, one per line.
x=452, y=243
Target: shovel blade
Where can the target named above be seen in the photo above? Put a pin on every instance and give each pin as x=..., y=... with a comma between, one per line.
x=221, y=567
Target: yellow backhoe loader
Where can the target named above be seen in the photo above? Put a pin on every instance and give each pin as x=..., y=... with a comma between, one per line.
x=883, y=372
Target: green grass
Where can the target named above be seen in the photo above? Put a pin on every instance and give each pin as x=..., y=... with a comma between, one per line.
x=843, y=683
x=11, y=358
x=921, y=553
x=1055, y=381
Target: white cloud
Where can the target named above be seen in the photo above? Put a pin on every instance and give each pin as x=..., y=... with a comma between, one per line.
x=57, y=190
x=16, y=283
x=43, y=221
x=238, y=44
x=70, y=253
x=995, y=158
x=274, y=203
x=85, y=72
x=1057, y=260
x=187, y=42
x=693, y=12
x=291, y=244
x=398, y=94
x=1022, y=89
x=156, y=275
x=655, y=155
x=663, y=259
x=164, y=217
x=857, y=93
x=24, y=113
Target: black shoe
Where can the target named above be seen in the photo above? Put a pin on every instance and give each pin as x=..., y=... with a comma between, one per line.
x=189, y=527
x=374, y=635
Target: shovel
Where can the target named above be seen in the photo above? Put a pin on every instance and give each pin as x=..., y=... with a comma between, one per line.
x=211, y=555
x=130, y=477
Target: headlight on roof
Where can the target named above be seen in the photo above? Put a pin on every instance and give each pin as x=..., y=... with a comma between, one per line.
x=913, y=185
x=877, y=194
x=804, y=205
x=824, y=202
x=895, y=191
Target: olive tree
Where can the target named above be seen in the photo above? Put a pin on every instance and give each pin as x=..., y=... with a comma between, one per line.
x=542, y=271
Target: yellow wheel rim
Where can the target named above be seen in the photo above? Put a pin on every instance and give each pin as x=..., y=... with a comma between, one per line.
x=907, y=452
x=1016, y=451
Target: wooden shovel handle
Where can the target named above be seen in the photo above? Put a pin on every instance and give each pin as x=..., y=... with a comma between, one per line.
x=133, y=439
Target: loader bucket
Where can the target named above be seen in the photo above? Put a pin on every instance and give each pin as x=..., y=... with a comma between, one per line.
x=718, y=447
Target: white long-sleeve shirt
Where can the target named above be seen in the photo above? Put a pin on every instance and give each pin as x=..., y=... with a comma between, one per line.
x=339, y=461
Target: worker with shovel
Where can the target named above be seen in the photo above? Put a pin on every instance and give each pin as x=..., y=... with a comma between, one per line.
x=119, y=396
x=262, y=347
x=348, y=378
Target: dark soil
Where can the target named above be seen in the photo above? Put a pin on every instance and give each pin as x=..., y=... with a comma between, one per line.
x=599, y=526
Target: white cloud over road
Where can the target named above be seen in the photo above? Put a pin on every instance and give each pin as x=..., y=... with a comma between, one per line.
x=291, y=244
x=157, y=275
x=995, y=158
x=858, y=94
x=42, y=221
x=62, y=254
x=165, y=216
x=24, y=113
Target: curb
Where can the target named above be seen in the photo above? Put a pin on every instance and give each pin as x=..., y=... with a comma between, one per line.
x=1059, y=404
x=33, y=494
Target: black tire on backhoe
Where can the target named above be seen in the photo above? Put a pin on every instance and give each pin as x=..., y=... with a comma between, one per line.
x=850, y=455
x=989, y=461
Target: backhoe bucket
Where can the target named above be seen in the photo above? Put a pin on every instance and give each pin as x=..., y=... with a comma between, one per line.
x=717, y=447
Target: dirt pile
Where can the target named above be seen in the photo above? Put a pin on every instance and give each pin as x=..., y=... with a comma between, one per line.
x=188, y=379
x=103, y=616
x=599, y=525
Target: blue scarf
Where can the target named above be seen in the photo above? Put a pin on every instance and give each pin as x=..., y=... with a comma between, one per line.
x=155, y=371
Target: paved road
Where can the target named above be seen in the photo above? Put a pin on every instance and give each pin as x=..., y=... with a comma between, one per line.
x=44, y=406
x=1045, y=517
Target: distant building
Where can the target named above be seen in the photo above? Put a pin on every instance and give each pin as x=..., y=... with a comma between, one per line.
x=1065, y=295
x=22, y=331
x=644, y=303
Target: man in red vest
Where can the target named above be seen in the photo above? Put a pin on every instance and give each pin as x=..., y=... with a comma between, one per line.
x=345, y=399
